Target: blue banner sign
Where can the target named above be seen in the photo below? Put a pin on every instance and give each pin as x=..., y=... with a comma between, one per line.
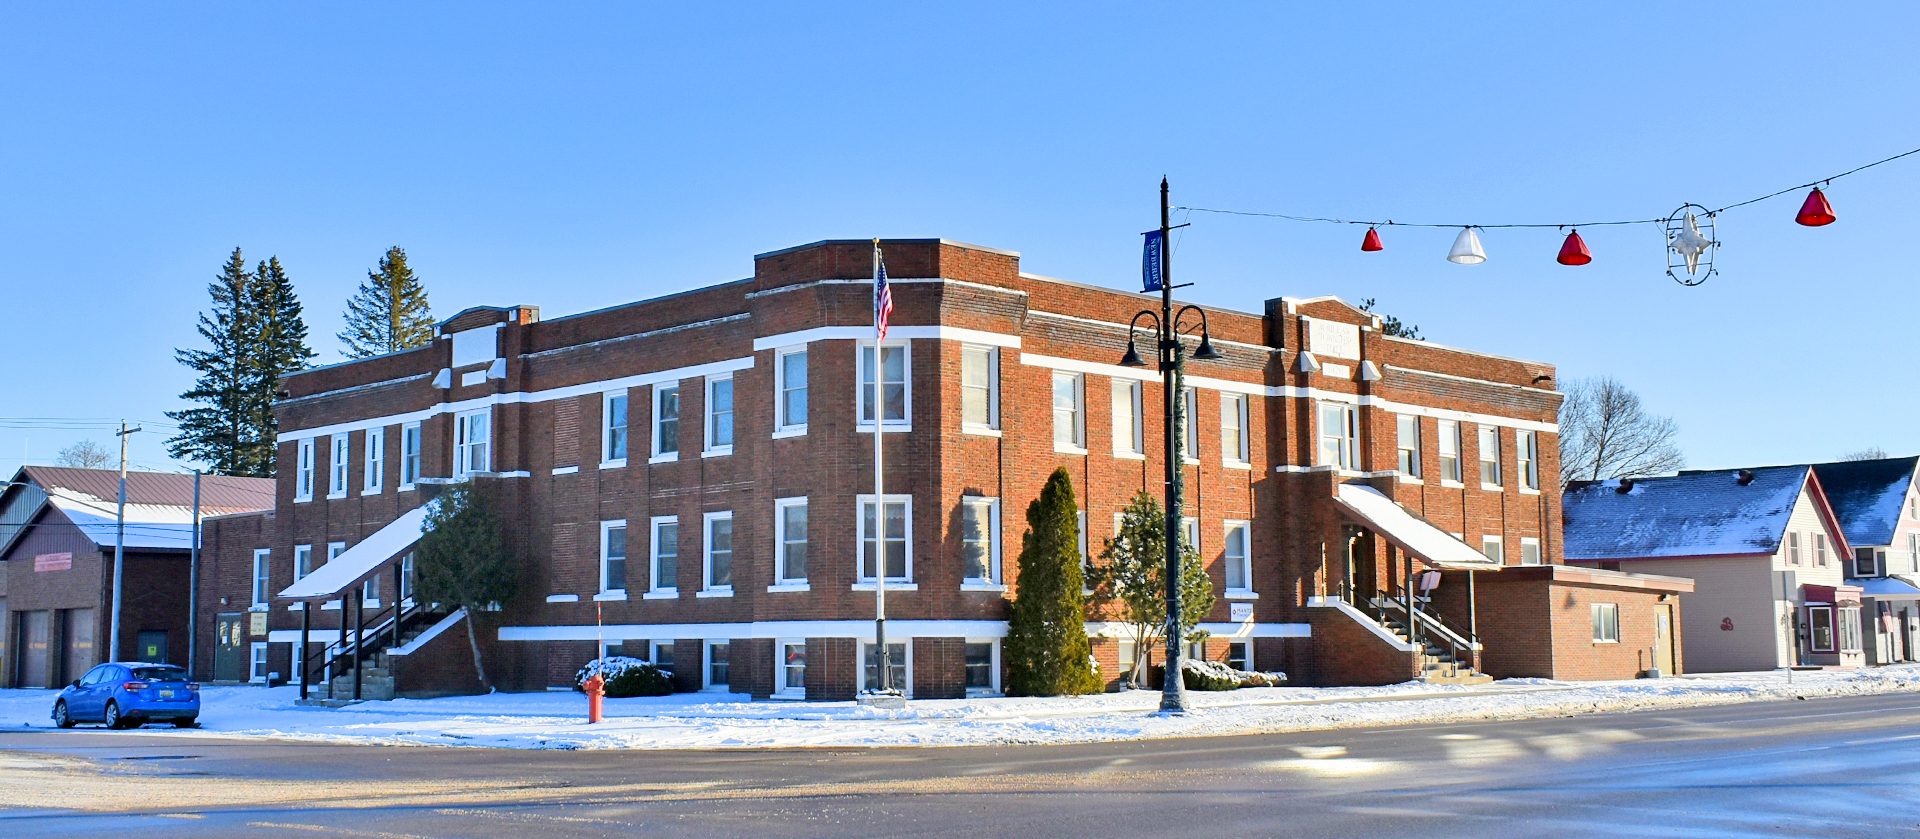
x=1150, y=261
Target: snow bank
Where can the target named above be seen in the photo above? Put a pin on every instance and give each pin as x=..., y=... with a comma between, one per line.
x=708, y=720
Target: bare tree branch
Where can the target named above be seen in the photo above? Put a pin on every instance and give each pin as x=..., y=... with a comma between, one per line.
x=1868, y=453
x=1605, y=432
x=85, y=454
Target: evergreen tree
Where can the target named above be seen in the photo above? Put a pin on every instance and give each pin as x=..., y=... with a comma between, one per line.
x=462, y=560
x=389, y=313
x=1046, y=647
x=1133, y=573
x=280, y=348
x=216, y=432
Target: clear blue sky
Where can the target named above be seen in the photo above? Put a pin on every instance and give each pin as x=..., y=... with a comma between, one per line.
x=575, y=156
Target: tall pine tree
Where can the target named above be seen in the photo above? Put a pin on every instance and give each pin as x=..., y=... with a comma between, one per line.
x=389, y=313
x=256, y=335
x=1046, y=647
x=281, y=348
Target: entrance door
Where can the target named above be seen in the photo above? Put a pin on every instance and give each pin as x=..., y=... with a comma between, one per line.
x=153, y=646
x=1663, y=640
x=78, y=636
x=230, y=650
x=1910, y=634
x=36, y=649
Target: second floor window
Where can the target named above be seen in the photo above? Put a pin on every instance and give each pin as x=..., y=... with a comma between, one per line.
x=302, y=561
x=1526, y=451
x=793, y=389
x=613, y=556
x=1336, y=435
x=1449, y=450
x=376, y=460
x=1793, y=548
x=337, y=467
x=790, y=517
x=720, y=415
x=1492, y=547
x=614, y=446
x=666, y=554
x=1069, y=419
x=979, y=540
x=1489, y=456
x=979, y=383
x=1190, y=441
x=471, y=442
x=666, y=420
x=1233, y=428
x=893, y=384
x=891, y=535
x=719, y=552
x=1233, y=553
x=1820, y=550
x=409, y=454
x=1529, y=550
x=1409, y=430
x=1127, y=436
x=262, y=576
x=303, y=475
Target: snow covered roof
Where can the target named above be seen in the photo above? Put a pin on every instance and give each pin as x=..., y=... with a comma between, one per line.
x=219, y=494
x=1867, y=495
x=369, y=553
x=1893, y=588
x=1690, y=514
x=1413, y=534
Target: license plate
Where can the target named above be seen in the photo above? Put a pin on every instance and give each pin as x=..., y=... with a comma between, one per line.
x=166, y=693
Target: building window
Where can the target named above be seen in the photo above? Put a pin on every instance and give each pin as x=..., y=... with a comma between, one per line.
x=337, y=467
x=1820, y=550
x=719, y=552
x=792, y=387
x=1336, y=435
x=470, y=444
x=613, y=439
x=662, y=655
x=1493, y=548
x=666, y=422
x=792, y=667
x=1864, y=564
x=1913, y=552
x=262, y=577
x=980, y=387
x=896, y=666
x=1239, y=656
x=665, y=560
x=1449, y=431
x=1526, y=448
x=983, y=666
x=613, y=557
x=1069, y=417
x=980, y=540
x=1191, y=419
x=1233, y=428
x=1820, y=619
x=1793, y=547
x=720, y=415
x=1127, y=434
x=258, y=671
x=894, y=536
x=1239, y=565
x=1529, y=550
x=1606, y=623
x=302, y=562
x=718, y=675
x=1126, y=653
x=894, y=388
x=376, y=461
x=1850, y=640
x=303, y=475
x=1409, y=430
x=790, y=538
x=406, y=576
x=409, y=455
x=1489, y=456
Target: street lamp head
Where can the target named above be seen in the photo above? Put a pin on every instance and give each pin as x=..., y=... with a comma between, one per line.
x=1206, y=352
x=1132, y=358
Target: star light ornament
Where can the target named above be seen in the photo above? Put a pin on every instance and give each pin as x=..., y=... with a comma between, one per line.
x=1693, y=248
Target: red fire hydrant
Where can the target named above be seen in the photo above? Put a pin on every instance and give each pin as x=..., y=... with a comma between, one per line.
x=595, y=688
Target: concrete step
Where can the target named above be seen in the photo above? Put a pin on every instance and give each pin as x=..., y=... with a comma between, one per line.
x=1467, y=677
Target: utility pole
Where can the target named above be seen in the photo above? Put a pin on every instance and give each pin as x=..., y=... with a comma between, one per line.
x=119, y=546
x=193, y=587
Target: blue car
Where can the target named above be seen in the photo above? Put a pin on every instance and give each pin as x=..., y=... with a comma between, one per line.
x=129, y=695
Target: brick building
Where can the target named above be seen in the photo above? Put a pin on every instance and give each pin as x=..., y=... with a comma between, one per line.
x=688, y=479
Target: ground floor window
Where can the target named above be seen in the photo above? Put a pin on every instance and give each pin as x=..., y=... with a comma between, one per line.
x=258, y=672
x=1820, y=626
x=897, y=668
x=1850, y=641
x=1239, y=655
x=663, y=655
x=1606, y=623
x=1127, y=655
x=718, y=675
x=792, y=667
x=983, y=667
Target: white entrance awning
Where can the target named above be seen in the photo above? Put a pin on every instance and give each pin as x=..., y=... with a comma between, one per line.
x=347, y=568
x=1409, y=532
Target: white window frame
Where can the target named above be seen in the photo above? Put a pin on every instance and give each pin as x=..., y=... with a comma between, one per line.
x=262, y=579
x=257, y=663
x=708, y=588
x=1849, y=620
x=1813, y=629
x=711, y=414
x=1126, y=651
x=783, y=424
x=1190, y=528
x=1235, y=443
x=375, y=450
x=302, y=562
x=1530, y=543
x=862, y=348
x=781, y=685
x=1245, y=560
x=1606, y=621
x=1129, y=438
x=340, y=454
x=993, y=581
x=1336, y=429
x=465, y=448
x=606, y=528
x=1820, y=550
x=654, y=589
x=862, y=578
x=706, y=665
x=1498, y=544
x=1191, y=445
x=610, y=458
x=993, y=678
x=303, y=472
x=906, y=666
x=660, y=454
x=991, y=358
x=1407, y=458
x=1076, y=412
x=409, y=455
x=1449, y=439
x=780, y=507
x=1526, y=451
x=1489, y=434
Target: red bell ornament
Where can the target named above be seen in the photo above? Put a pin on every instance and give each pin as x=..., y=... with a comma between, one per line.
x=1574, y=251
x=1816, y=211
x=1372, y=242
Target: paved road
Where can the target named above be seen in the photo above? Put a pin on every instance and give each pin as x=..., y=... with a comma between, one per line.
x=1829, y=767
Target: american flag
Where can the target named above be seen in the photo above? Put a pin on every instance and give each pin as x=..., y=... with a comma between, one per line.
x=882, y=295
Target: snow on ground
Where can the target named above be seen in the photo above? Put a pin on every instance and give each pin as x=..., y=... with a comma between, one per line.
x=705, y=720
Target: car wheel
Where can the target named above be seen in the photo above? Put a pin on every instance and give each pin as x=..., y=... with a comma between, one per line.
x=112, y=717
x=60, y=716
x=186, y=722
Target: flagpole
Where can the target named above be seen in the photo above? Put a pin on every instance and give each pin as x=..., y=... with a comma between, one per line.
x=879, y=497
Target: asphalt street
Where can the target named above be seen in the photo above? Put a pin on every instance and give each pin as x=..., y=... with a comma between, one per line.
x=1827, y=767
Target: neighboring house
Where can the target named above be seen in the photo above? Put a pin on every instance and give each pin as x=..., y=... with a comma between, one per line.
x=1879, y=508
x=57, y=533
x=1764, y=549
x=688, y=479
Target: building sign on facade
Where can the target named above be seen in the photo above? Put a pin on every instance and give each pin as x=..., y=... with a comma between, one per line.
x=53, y=562
x=1332, y=338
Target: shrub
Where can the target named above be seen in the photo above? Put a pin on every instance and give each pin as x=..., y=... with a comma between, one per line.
x=1212, y=675
x=1046, y=649
x=626, y=677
